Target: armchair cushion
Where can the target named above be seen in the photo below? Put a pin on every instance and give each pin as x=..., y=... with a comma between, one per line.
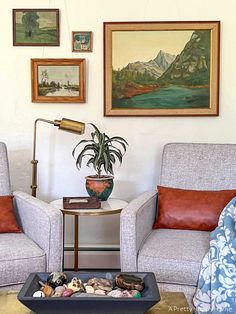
x=19, y=256
x=190, y=209
x=174, y=256
x=8, y=221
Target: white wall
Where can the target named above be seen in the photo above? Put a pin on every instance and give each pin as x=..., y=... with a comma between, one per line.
x=146, y=136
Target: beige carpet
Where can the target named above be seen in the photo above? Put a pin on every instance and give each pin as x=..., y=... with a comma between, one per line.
x=171, y=302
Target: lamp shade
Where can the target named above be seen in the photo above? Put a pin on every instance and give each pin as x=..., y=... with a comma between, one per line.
x=70, y=125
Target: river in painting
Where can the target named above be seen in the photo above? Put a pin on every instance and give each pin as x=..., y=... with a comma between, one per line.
x=64, y=92
x=172, y=97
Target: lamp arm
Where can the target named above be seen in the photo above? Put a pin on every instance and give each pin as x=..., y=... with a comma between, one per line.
x=34, y=162
x=65, y=125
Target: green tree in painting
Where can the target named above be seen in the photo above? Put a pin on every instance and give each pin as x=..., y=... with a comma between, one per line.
x=44, y=77
x=29, y=20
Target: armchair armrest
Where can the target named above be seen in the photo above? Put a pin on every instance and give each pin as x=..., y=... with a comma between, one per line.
x=43, y=224
x=136, y=223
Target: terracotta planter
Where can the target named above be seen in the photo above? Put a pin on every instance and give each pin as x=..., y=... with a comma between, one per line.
x=100, y=187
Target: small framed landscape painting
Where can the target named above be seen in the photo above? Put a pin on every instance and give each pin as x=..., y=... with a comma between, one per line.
x=161, y=68
x=81, y=41
x=58, y=80
x=36, y=27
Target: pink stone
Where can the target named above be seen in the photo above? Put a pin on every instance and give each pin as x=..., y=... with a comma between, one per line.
x=67, y=293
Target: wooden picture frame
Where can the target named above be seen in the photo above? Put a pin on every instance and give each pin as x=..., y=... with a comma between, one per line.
x=82, y=41
x=161, y=68
x=36, y=27
x=58, y=80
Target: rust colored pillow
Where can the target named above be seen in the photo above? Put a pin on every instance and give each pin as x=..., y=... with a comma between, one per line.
x=190, y=209
x=7, y=218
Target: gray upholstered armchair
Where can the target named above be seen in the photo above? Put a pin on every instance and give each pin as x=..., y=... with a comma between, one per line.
x=39, y=247
x=175, y=255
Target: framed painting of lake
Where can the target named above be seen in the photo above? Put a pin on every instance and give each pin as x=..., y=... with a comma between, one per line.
x=161, y=68
x=36, y=27
x=58, y=80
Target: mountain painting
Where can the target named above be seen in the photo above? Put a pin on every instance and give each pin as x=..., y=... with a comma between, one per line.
x=35, y=27
x=162, y=71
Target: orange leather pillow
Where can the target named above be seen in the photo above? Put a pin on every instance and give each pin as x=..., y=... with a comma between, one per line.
x=7, y=218
x=190, y=209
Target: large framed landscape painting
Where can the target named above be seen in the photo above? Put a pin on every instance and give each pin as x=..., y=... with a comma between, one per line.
x=161, y=68
x=58, y=80
x=36, y=27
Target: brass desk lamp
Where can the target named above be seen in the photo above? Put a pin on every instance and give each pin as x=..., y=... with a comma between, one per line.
x=65, y=125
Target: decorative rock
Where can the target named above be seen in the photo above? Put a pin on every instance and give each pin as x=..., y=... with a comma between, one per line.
x=129, y=282
x=56, y=279
x=76, y=285
x=135, y=294
x=89, y=289
x=47, y=290
x=39, y=294
x=59, y=291
x=115, y=293
x=67, y=293
x=126, y=294
x=88, y=295
x=100, y=284
x=100, y=292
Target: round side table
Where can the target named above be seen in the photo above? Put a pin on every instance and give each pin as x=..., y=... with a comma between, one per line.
x=110, y=207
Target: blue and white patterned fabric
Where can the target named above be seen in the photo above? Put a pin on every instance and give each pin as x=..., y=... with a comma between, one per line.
x=216, y=291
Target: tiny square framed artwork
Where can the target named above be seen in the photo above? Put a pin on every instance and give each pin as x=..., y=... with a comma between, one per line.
x=36, y=27
x=82, y=41
x=161, y=68
x=58, y=80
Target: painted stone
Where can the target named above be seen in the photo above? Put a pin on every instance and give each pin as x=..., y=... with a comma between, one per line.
x=67, y=293
x=47, y=290
x=76, y=285
x=59, y=291
x=135, y=294
x=89, y=289
x=126, y=294
x=100, y=292
x=88, y=295
x=129, y=282
x=100, y=284
x=115, y=293
x=39, y=294
x=56, y=279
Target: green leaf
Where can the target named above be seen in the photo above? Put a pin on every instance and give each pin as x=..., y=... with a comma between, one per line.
x=101, y=151
x=118, y=138
x=117, y=154
x=122, y=144
x=84, y=153
x=81, y=142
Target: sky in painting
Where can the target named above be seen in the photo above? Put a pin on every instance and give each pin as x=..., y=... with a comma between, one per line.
x=46, y=19
x=132, y=46
x=61, y=74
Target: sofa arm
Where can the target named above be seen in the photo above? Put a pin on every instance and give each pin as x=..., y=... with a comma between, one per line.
x=43, y=224
x=136, y=223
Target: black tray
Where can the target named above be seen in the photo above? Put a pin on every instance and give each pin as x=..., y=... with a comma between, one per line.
x=89, y=305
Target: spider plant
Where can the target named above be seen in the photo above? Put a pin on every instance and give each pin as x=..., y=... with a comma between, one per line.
x=101, y=151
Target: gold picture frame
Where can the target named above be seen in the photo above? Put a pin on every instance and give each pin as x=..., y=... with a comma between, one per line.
x=161, y=68
x=58, y=80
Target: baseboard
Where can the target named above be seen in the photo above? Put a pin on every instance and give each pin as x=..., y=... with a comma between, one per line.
x=93, y=259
